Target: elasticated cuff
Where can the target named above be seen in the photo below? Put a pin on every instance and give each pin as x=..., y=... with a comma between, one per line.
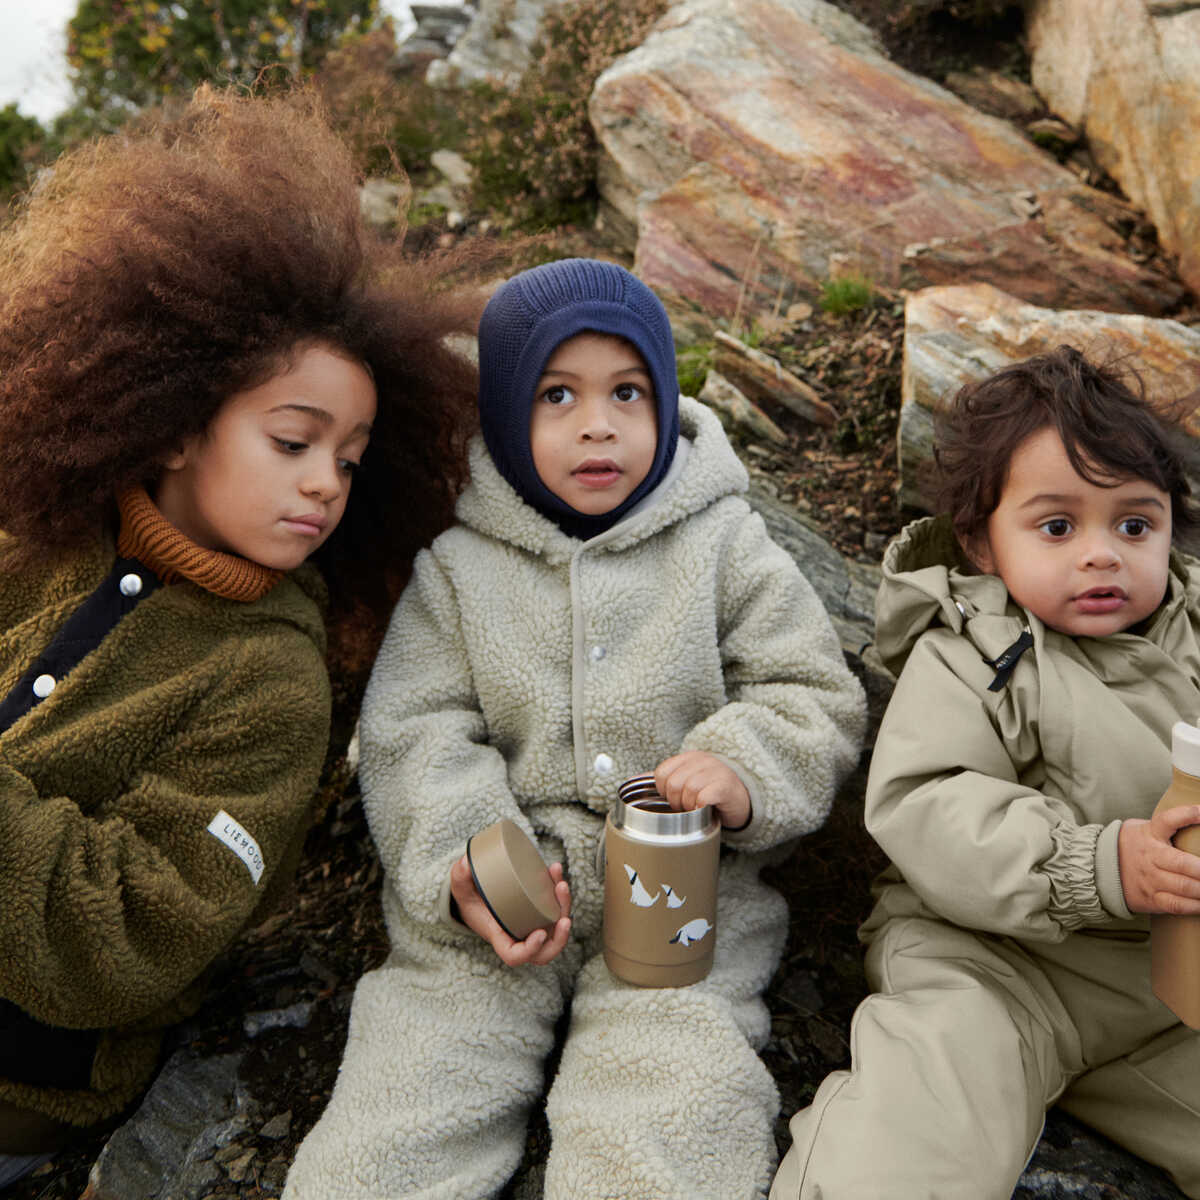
x=1074, y=897
x=1108, y=873
x=446, y=911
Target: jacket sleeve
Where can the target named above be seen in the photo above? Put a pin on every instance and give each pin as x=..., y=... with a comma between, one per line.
x=108, y=911
x=955, y=806
x=430, y=780
x=793, y=723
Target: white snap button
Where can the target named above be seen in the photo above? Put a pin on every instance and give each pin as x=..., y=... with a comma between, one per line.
x=598, y=652
x=130, y=585
x=43, y=685
x=603, y=764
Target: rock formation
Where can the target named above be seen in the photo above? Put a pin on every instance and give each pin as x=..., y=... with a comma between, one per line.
x=954, y=335
x=747, y=144
x=495, y=46
x=436, y=32
x=1127, y=72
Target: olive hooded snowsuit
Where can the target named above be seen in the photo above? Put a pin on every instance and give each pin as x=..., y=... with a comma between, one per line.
x=1008, y=971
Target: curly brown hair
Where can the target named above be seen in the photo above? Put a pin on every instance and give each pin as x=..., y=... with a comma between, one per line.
x=1109, y=429
x=151, y=275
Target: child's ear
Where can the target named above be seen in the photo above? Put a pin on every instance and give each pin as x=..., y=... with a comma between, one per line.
x=978, y=551
x=177, y=459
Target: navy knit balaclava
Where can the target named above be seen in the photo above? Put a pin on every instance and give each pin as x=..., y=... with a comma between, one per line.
x=524, y=323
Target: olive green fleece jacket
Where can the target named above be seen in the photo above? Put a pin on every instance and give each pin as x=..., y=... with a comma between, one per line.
x=1000, y=809
x=114, y=895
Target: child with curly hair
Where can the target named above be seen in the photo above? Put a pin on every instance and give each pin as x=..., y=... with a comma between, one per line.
x=202, y=347
x=607, y=604
x=1047, y=640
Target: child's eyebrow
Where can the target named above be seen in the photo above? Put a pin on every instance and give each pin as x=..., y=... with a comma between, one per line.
x=632, y=369
x=321, y=414
x=1071, y=498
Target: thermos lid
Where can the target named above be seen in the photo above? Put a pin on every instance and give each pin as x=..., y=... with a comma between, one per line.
x=512, y=878
x=1185, y=747
x=641, y=809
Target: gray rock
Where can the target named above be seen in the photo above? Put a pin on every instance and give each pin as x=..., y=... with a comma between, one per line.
x=438, y=28
x=1073, y=1163
x=384, y=202
x=458, y=172
x=759, y=149
x=1125, y=72
x=277, y=1127
x=440, y=195
x=294, y=1016
x=166, y=1150
x=847, y=588
x=495, y=46
x=955, y=335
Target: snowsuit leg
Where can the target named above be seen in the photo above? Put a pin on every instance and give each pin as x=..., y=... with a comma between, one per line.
x=1149, y=1102
x=659, y=1093
x=443, y=1063
x=955, y=1058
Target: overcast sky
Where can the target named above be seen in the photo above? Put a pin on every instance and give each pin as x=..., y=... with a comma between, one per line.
x=33, y=65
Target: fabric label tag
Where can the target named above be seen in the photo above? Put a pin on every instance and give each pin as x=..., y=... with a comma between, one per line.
x=225, y=829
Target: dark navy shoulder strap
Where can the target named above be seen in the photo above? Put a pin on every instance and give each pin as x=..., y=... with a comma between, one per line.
x=30, y=1051
x=124, y=588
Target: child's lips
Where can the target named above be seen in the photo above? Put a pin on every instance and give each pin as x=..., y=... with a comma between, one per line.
x=1099, y=600
x=309, y=524
x=597, y=473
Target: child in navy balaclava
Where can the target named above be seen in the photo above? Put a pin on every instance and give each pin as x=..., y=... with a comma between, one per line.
x=607, y=605
x=526, y=322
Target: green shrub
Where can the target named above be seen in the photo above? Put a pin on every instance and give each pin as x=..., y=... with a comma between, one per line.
x=533, y=148
x=22, y=145
x=846, y=294
x=391, y=120
x=135, y=53
x=692, y=364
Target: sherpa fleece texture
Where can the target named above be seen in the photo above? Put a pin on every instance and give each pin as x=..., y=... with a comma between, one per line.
x=114, y=897
x=525, y=675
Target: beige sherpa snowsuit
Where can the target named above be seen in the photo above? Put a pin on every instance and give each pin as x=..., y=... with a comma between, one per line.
x=1007, y=968
x=526, y=674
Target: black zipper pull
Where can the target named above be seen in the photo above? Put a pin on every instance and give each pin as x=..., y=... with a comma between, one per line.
x=1007, y=661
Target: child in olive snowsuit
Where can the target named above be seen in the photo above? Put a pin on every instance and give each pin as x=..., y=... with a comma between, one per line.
x=607, y=605
x=1047, y=638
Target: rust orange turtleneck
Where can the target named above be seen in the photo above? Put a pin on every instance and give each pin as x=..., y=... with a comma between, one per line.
x=150, y=538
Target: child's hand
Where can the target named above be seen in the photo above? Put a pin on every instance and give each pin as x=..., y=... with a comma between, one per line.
x=694, y=779
x=1155, y=876
x=539, y=947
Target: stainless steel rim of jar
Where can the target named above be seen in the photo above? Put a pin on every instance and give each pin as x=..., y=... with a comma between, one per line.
x=645, y=817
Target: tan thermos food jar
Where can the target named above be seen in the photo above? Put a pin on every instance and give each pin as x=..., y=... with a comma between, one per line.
x=1175, y=941
x=660, y=888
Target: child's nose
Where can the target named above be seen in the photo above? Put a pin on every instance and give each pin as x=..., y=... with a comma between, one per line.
x=323, y=480
x=1100, y=551
x=595, y=423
